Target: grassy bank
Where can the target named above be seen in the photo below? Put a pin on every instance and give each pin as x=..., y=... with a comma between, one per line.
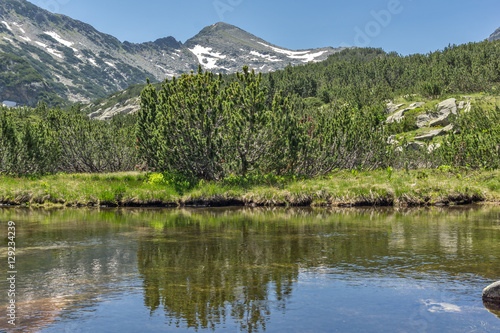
x=344, y=188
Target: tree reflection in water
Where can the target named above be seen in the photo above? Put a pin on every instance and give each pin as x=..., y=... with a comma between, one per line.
x=201, y=272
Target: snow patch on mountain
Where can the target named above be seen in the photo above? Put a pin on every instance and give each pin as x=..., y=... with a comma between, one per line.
x=265, y=56
x=56, y=36
x=304, y=56
x=309, y=57
x=7, y=25
x=42, y=44
x=19, y=27
x=54, y=52
x=207, y=58
x=110, y=64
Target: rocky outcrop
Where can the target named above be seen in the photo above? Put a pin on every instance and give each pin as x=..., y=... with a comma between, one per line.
x=423, y=120
x=417, y=105
x=127, y=107
x=438, y=121
x=444, y=110
x=396, y=117
x=440, y=117
x=391, y=107
x=433, y=133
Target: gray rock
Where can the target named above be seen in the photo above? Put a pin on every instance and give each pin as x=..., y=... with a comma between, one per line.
x=444, y=110
x=418, y=104
x=492, y=292
x=448, y=128
x=468, y=106
x=392, y=140
x=422, y=120
x=441, y=121
x=433, y=147
x=415, y=145
x=495, y=35
x=449, y=105
x=430, y=135
x=398, y=116
x=391, y=107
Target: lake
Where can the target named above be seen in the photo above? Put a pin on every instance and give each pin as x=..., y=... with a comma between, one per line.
x=253, y=270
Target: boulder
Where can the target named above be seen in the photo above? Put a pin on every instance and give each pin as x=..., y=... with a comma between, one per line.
x=492, y=292
x=430, y=135
x=449, y=105
x=417, y=105
x=448, y=128
x=441, y=121
x=398, y=116
x=422, y=120
x=444, y=110
x=391, y=107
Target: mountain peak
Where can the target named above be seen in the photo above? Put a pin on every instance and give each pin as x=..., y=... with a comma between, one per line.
x=223, y=26
x=495, y=35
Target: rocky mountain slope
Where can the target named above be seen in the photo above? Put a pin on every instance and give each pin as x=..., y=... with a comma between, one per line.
x=495, y=35
x=225, y=48
x=76, y=62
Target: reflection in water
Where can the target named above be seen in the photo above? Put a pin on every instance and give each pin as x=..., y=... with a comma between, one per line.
x=204, y=274
x=244, y=269
x=35, y=314
x=493, y=307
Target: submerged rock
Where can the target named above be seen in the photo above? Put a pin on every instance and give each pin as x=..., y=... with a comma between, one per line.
x=492, y=293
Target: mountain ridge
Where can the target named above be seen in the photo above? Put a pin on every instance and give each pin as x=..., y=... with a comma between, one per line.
x=80, y=64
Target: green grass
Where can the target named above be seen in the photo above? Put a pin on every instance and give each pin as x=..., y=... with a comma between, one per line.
x=341, y=188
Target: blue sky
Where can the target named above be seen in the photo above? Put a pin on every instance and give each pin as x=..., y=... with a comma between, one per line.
x=404, y=26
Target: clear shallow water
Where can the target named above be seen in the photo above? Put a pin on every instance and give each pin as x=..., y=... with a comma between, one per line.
x=254, y=270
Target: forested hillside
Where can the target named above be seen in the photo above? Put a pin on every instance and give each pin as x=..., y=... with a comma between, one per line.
x=302, y=121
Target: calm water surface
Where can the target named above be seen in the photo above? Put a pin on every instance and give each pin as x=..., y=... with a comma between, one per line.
x=253, y=270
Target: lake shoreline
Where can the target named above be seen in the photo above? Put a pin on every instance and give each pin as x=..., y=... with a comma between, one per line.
x=382, y=188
